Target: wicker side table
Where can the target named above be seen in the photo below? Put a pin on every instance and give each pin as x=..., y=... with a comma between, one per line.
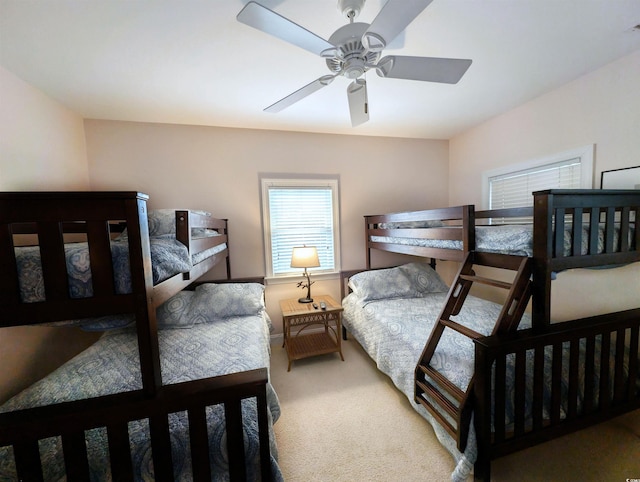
x=303, y=337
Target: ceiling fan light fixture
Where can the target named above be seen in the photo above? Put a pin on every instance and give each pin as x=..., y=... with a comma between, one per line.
x=354, y=68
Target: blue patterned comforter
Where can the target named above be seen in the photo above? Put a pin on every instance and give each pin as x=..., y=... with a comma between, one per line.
x=223, y=346
x=168, y=257
x=394, y=332
x=516, y=239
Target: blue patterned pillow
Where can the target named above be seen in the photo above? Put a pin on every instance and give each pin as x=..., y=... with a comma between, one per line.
x=173, y=313
x=176, y=311
x=162, y=221
x=212, y=301
x=424, y=278
x=411, y=280
x=381, y=284
x=209, y=302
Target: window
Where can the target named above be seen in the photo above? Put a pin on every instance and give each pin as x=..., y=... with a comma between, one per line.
x=300, y=212
x=512, y=186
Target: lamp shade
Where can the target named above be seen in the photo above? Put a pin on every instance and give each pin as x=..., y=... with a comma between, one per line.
x=305, y=257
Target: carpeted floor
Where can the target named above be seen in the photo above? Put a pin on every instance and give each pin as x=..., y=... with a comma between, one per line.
x=345, y=421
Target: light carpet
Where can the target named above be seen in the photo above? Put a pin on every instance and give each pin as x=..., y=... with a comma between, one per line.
x=346, y=421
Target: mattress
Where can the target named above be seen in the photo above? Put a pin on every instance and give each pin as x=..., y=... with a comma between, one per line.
x=188, y=352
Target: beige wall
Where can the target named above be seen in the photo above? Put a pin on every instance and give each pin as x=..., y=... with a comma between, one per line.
x=42, y=144
x=217, y=169
x=42, y=147
x=600, y=108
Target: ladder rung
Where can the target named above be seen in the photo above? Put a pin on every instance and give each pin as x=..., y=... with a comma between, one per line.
x=468, y=332
x=448, y=403
x=487, y=281
x=442, y=401
x=440, y=379
x=439, y=417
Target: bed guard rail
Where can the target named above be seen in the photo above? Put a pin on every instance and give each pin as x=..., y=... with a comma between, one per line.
x=600, y=359
x=22, y=429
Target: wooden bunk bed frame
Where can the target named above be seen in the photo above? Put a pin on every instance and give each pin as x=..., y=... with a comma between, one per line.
x=617, y=388
x=97, y=214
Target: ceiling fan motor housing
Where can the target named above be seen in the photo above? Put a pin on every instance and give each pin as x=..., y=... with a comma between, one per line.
x=352, y=58
x=350, y=8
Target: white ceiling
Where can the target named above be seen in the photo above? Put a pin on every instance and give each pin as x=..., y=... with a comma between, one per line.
x=192, y=62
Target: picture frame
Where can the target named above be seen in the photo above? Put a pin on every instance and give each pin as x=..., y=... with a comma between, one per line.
x=624, y=178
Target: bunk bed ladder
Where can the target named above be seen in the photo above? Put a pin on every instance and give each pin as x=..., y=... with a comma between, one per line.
x=449, y=404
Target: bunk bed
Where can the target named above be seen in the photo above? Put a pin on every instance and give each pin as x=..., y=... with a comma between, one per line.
x=165, y=392
x=526, y=386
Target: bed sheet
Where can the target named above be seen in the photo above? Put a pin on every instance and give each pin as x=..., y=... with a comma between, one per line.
x=110, y=365
x=515, y=239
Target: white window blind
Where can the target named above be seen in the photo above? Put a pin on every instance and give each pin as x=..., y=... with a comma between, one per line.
x=514, y=189
x=299, y=213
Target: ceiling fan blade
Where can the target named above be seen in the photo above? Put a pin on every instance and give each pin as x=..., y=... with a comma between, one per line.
x=394, y=17
x=301, y=93
x=428, y=69
x=358, y=102
x=268, y=21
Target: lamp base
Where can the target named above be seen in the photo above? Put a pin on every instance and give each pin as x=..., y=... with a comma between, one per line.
x=305, y=300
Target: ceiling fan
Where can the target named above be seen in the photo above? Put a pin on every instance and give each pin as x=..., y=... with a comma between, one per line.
x=356, y=48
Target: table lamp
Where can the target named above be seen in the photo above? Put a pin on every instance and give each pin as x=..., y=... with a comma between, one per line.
x=305, y=257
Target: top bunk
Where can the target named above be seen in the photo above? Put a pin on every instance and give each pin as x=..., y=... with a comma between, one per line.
x=73, y=255
x=443, y=233
x=564, y=229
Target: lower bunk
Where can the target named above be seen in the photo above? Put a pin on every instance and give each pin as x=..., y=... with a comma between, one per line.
x=528, y=387
x=210, y=420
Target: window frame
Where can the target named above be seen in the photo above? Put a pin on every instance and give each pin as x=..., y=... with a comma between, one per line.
x=268, y=181
x=584, y=153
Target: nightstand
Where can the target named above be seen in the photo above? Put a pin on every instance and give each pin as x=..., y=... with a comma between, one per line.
x=310, y=331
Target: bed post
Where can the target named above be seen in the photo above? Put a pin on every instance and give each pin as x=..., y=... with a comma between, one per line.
x=542, y=254
x=142, y=287
x=482, y=410
x=468, y=228
x=228, y=258
x=366, y=242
